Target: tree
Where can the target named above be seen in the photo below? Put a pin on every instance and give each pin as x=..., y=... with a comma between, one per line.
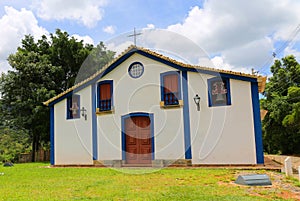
x=41, y=70
x=97, y=59
x=281, y=125
x=12, y=143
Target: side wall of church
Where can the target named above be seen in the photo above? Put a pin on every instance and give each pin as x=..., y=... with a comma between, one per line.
x=221, y=134
x=73, y=137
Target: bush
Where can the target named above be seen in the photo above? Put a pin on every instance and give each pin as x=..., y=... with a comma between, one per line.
x=13, y=143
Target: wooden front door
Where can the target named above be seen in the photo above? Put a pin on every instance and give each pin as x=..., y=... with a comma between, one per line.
x=138, y=140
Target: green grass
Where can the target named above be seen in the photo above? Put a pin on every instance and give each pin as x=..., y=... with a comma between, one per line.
x=34, y=181
x=296, y=182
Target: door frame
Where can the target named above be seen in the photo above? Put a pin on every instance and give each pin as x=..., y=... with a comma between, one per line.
x=123, y=134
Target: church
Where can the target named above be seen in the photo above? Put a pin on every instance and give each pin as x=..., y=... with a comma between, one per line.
x=147, y=109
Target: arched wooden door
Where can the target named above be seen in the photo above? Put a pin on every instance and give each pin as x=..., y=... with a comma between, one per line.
x=138, y=140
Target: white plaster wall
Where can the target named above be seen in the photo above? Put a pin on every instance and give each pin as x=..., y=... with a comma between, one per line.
x=140, y=95
x=224, y=134
x=73, y=137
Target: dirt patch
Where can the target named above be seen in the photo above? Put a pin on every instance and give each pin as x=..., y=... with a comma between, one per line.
x=280, y=160
x=281, y=187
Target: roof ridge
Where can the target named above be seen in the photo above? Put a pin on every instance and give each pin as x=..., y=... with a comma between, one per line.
x=197, y=66
x=260, y=78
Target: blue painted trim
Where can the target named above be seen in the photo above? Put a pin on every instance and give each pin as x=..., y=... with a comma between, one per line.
x=176, y=66
x=151, y=116
x=161, y=87
x=162, y=75
x=257, y=124
x=186, y=116
x=123, y=137
x=102, y=74
x=61, y=98
x=237, y=77
x=111, y=82
x=209, y=81
x=137, y=114
x=228, y=91
x=135, y=63
x=69, y=102
x=52, y=143
x=231, y=76
x=94, y=123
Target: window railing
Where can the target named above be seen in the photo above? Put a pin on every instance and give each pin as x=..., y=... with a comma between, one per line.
x=105, y=105
x=171, y=98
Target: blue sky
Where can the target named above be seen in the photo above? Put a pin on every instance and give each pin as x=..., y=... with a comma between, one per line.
x=235, y=34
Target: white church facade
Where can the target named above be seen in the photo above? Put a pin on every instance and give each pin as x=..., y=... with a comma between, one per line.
x=144, y=109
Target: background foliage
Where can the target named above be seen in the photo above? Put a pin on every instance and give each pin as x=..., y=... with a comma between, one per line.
x=42, y=69
x=281, y=125
x=13, y=143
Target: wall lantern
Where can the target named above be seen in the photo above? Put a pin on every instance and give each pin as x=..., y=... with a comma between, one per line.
x=83, y=113
x=197, y=101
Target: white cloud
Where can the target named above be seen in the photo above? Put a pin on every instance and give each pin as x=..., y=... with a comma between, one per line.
x=289, y=50
x=85, y=39
x=4, y=66
x=288, y=33
x=292, y=45
x=219, y=63
x=150, y=26
x=165, y=42
x=253, y=53
x=118, y=47
x=87, y=12
x=15, y=25
x=109, y=29
x=173, y=43
x=242, y=31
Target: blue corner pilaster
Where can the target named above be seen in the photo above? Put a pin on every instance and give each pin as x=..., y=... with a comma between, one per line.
x=52, y=157
x=123, y=137
x=257, y=124
x=94, y=123
x=186, y=116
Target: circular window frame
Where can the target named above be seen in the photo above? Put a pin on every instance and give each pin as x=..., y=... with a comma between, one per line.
x=131, y=66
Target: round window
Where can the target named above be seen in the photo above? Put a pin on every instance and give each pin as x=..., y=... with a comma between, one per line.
x=136, y=70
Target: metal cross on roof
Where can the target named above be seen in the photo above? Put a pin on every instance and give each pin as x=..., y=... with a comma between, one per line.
x=134, y=35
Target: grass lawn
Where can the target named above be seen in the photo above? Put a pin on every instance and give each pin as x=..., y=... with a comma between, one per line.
x=34, y=181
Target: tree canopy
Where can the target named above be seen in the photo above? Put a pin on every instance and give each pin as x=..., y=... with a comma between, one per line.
x=281, y=125
x=42, y=69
